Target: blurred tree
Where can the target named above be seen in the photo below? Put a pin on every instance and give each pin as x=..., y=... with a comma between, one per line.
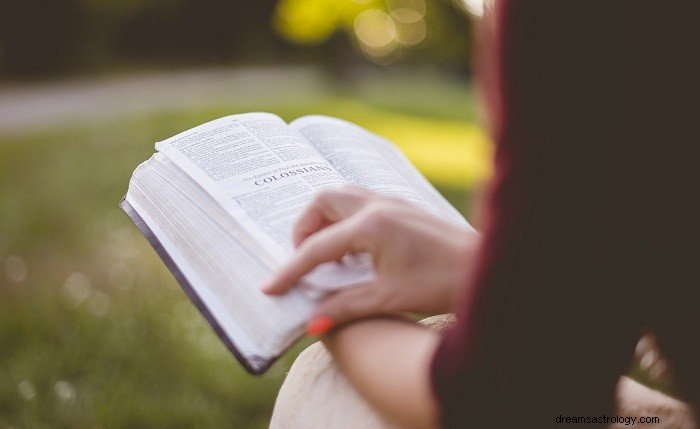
x=55, y=36
x=196, y=30
x=52, y=36
x=41, y=37
x=384, y=31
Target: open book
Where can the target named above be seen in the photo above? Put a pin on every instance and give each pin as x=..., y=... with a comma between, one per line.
x=218, y=203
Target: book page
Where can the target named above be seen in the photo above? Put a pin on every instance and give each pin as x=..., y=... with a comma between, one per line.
x=373, y=162
x=264, y=174
x=221, y=200
x=216, y=263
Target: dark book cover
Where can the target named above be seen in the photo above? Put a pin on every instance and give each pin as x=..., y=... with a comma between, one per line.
x=255, y=365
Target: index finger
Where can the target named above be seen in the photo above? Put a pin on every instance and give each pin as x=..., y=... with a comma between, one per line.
x=329, y=207
x=329, y=244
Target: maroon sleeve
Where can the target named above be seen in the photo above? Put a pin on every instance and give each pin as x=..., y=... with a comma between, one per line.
x=571, y=269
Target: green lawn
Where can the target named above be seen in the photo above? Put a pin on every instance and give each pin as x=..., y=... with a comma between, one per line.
x=94, y=331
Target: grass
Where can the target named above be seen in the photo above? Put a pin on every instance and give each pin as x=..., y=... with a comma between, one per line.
x=94, y=331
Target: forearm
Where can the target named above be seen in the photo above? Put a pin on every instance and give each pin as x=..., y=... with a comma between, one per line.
x=388, y=360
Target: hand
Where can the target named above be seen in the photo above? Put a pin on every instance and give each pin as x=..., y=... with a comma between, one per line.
x=421, y=262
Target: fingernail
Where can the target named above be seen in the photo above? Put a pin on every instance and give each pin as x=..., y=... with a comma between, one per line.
x=319, y=325
x=266, y=286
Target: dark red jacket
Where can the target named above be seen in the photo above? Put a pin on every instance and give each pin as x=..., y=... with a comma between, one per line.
x=594, y=227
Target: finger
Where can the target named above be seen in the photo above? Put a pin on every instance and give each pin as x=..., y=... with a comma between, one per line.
x=328, y=207
x=351, y=304
x=326, y=245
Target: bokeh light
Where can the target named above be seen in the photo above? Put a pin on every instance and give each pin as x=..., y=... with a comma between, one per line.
x=77, y=288
x=475, y=8
x=384, y=31
x=64, y=390
x=26, y=390
x=376, y=33
x=16, y=269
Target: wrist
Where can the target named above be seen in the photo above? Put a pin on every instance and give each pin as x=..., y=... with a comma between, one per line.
x=356, y=329
x=467, y=251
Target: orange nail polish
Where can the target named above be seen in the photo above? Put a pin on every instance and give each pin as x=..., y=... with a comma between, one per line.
x=319, y=325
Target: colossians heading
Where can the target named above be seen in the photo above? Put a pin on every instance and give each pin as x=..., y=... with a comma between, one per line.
x=291, y=173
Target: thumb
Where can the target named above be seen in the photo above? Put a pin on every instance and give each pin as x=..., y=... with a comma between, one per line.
x=344, y=306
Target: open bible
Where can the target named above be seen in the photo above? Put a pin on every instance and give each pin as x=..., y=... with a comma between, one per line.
x=218, y=203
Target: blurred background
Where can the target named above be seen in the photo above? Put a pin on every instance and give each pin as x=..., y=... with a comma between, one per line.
x=94, y=331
